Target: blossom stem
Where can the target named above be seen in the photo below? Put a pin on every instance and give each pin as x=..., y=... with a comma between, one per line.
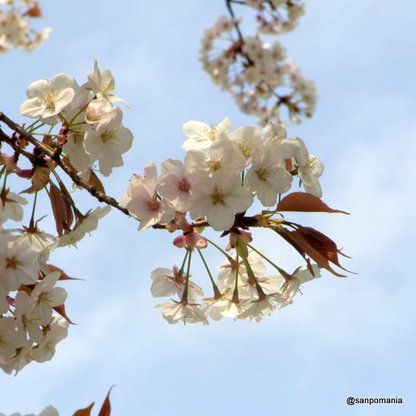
x=279, y=269
x=252, y=279
x=183, y=262
x=185, y=291
x=235, y=291
x=229, y=258
x=217, y=293
x=32, y=217
x=77, y=114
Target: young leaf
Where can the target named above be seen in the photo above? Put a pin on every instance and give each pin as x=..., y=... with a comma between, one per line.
x=60, y=208
x=84, y=412
x=310, y=242
x=304, y=202
x=106, y=407
x=61, y=310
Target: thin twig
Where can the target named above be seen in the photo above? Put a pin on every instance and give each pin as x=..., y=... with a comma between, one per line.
x=55, y=156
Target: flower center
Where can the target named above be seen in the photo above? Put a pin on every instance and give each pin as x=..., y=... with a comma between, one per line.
x=245, y=149
x=108, y=137
x=153, y=204
x=212, y=132
x=45, y=298
x=11, y=263
x=184, y=185
x=50, y=102
x=215, y=164
x=264, y=173
x=217, y=197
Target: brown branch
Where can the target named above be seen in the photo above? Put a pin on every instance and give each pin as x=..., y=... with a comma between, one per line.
x=55, y=156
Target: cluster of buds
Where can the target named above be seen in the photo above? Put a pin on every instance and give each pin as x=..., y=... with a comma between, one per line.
x=223, y=174
x=15, y=25
x=256, y=73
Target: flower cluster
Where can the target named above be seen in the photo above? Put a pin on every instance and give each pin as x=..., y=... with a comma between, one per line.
x=256, y=73
x=15, y=25
x=276, y=16
x=32, y=312
x=222, y=175
x=222, y=172
x=242, y=290
x=92, y=129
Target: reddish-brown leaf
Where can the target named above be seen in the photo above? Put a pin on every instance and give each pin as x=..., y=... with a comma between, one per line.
x=106, y=407
x=94, y=181
x=59, y=208
x=310, y=242
x=304, y=202
x=63, y=275
x=69, y=203
x=84, y=412
x=61, y=310
x=40, y=179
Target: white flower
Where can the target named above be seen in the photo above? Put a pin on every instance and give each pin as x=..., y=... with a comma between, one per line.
x=201, y=135
x=182, y=311
x=45, y=297
x=29, y=322
x=56, y=331
x=302, y=275
x=48, y=98
x=18, y=263
x=167, y=282
x=83, y=227
x=10, y=339
x=49, y=411
x=97, y=111
x=218, y=199
x=246, y=139
x=108, y=142
x=103, y=84
x=75, y=150
x=310, y=173
x=223, y=155
x=257, y=309
x=37, y=240
x=268, y=175
x=11, y=207
x=175, y=184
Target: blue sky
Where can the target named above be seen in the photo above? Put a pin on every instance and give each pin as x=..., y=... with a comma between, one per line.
x=343, y=337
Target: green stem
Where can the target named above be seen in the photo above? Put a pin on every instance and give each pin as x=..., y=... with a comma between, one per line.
x=253, y=279
x=183, y=262
x=235, y=292
x=279, y=269
x=229, y=258
x=78, y=113
x=185, y=291
x=217, y=293
x=32, y=217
